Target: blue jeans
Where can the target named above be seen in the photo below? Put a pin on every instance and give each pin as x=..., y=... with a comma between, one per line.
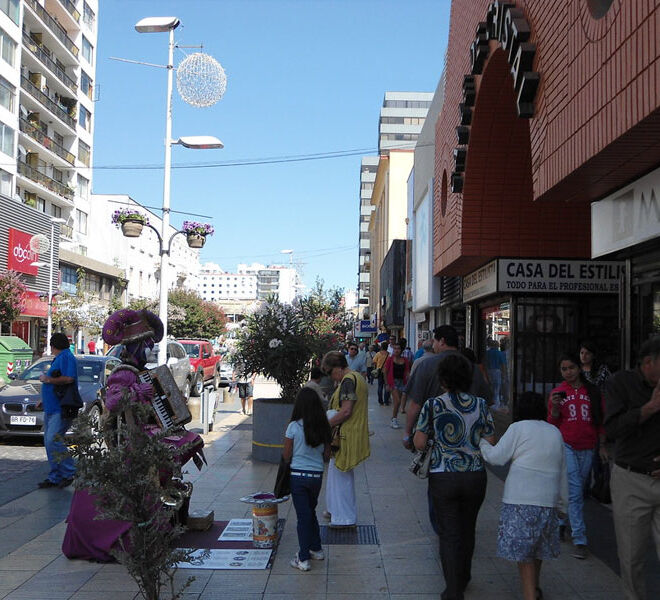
x=578, y=464
x=61, y=467
x=305, y=494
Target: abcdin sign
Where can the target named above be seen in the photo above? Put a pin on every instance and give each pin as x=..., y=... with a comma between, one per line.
x=19, y=255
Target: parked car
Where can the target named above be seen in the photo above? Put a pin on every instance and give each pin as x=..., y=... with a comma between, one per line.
x=19, y=398
x=227, y=375
x=205, y=364
x=177, y=361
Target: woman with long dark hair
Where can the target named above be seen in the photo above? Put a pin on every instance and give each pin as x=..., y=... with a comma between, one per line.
x=457, y=421
x=306, y=445
x=592, y=369
x=575, y=407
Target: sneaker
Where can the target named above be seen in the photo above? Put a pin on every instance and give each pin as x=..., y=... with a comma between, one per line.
x=302, y=565
x=65, y=483
x=317, y=554
x=395, y=424
x=579, y=551
x=47, y=483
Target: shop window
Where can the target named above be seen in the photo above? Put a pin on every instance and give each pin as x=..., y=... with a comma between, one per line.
x=599, y=8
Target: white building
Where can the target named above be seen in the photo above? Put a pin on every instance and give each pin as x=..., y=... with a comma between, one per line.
x=139, y=257
x=47, y=73
x=282, y=281
x=216, y=285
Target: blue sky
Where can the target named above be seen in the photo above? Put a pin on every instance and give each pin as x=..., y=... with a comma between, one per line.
x=304, y=77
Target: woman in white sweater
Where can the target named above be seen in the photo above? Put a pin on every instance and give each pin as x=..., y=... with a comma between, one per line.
x=535, y=491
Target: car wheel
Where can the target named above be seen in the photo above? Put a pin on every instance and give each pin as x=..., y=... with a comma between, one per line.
x=186, y=389
x=198, y=386
x=216, y=380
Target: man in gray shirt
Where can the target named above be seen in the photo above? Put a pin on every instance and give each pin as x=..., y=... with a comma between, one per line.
x=424, y=382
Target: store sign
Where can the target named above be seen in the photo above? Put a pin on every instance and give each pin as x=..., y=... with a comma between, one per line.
x=482, y=282
x=366, y=327
x=35, y=306
x=19, y=255
x=628, y=217
x=559, y=276
x=543, y=276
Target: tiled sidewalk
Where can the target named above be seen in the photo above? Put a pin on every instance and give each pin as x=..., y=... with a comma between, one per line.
x=404, y=566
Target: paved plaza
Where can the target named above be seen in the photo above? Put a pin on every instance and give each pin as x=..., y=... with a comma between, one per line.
x=404, y=566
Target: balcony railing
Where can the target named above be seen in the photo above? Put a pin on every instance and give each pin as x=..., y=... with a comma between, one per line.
x=45, y=58
x=37, y=94
x=36, y=134
x=37, y=176
x=71, y=9
x=59, y=31
x=66, y=231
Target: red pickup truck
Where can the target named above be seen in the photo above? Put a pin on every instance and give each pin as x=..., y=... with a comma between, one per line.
x=204, y=363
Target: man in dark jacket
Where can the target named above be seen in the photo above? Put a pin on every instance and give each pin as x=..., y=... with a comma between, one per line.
x=632, y=419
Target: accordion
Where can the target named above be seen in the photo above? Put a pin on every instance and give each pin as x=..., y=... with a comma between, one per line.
x=168, y=402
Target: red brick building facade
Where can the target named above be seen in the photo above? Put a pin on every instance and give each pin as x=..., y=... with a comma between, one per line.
x=528, y=182
x=551, y=123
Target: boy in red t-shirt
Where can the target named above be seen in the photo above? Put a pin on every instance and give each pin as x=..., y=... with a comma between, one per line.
x=575, y=407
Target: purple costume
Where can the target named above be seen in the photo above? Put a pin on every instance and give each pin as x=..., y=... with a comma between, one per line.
x=86, y=536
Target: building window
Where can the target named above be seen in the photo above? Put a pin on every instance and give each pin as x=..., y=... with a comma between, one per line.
x=6, y=139
x=93, y=283
x=81, y=221
x=5, y=183
x=86, y=84
x=83, y=187
x=87, y=50
x=83, y=153
x=11, y=8
x=69, y=279
x=84, y=118
x=55, y=211
x=89, y=18
x=7, y=48
x=7, y=94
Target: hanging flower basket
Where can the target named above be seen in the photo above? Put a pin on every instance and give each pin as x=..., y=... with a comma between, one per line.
x=196, y=240
x=130, y=220
x=132, y=229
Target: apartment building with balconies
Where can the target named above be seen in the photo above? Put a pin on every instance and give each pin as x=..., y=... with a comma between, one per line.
x=401, y=119
x=47, y=73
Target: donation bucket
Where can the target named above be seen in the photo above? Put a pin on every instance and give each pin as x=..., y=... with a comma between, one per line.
x=264, y=518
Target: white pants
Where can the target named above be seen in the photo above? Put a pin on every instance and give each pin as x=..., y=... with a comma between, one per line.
x=340, y=496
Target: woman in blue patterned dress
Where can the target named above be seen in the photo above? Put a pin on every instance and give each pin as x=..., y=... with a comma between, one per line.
x=535, y=491
x=457, y=477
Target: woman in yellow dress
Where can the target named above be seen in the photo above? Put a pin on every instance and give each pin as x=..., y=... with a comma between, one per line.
x=349, y=409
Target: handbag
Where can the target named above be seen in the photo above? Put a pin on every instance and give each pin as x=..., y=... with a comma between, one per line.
x=375, y=373
x=421, y=462
x=283, y=479
x=335, y=440
x=70, y=399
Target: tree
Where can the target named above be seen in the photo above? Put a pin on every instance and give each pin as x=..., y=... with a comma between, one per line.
x=79, y=311
x=188, y=315
x=12, y=297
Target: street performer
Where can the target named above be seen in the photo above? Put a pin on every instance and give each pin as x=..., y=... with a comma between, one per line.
x=88, y=536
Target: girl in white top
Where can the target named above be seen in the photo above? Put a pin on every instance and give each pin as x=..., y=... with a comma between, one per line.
x=306, y=446
x=535, y=491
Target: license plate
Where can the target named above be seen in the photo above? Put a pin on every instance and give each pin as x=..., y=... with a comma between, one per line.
x=22, y=420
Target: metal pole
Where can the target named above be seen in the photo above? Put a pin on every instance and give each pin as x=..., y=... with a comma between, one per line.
x=49, y=323
x=164, y=252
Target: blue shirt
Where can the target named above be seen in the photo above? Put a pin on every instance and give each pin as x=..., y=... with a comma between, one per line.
x=418, y=354
x=304, y=457
x=357, y=363
x=66, y=364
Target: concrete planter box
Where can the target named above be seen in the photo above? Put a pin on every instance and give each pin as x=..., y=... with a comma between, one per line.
x=269, y=422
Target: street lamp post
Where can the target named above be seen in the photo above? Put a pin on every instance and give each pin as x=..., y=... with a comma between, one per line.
x=49, y=321
x=161, y=25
